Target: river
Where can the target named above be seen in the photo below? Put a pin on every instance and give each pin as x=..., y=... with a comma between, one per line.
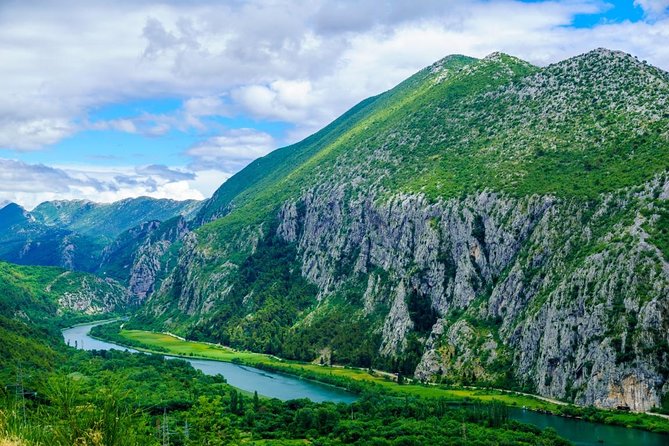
x=273, y=385
x=284, y=387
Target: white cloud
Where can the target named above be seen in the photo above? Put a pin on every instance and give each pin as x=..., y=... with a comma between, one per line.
x=35, y=133
x=283, y=100
x=31, y=184
x=121, y=125
x=231, y=150
x=300, y=62
x=653, y=8
x=284, y=59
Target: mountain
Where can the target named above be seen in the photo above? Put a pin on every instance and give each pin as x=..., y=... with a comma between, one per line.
x=57, y=291
x=74, y=234
x=12, y=214
x=141, y=257
x=485, y=222
x=109, y=220
x=32, y=298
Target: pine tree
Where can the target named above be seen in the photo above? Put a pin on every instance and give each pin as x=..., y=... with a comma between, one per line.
x=256, y=401
x=234, y=401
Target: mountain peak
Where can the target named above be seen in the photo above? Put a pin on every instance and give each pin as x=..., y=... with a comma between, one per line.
x=605, y=52
x=496, y=55
x=12, y=207
x=606, y=56
x=12, y=214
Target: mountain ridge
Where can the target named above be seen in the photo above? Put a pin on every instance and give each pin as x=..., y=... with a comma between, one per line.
x=76, y=234
x=485, y=222
x=454, y=228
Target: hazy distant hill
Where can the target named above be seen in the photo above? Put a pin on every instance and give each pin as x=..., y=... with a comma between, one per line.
x=73, y=234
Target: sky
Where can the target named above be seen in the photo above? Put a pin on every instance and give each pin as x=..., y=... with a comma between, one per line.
x=108, y=100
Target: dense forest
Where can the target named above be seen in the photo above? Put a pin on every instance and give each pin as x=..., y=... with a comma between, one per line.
x=52, y=394
x=115, y=398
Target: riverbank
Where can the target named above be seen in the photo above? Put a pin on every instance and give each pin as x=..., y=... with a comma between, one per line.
x=359, y=380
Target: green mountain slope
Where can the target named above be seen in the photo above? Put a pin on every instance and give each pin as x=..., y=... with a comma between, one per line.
x=75, y=234
x=54, y=395
x=486, y=221
x=110, y=220
x=265, y=172
x=43, y=292
x=35, y=301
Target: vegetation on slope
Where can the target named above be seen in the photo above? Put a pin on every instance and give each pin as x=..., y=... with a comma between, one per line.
x=109, y=220
x=578, y=141
x=581, y=127
x=367, y=380
x=52, y=394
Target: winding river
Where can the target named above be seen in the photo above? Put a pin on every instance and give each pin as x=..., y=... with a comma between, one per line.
x=284, y=387
x=273, y=385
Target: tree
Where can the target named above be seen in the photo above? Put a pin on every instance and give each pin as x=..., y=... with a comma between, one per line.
x=256, y=401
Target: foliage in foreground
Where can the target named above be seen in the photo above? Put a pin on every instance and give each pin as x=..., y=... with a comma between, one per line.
x=116, y=399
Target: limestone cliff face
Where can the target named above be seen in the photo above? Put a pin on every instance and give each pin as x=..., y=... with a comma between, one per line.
x=492, y=221
x=140, y=256
x=568, y=294
x=88, y=294
x=149, y=259
x=578, y=297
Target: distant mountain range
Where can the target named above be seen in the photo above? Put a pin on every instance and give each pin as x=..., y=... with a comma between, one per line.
x=79, y=234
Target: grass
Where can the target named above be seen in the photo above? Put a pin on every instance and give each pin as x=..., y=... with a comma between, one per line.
x=366, y=379
x=180, y=347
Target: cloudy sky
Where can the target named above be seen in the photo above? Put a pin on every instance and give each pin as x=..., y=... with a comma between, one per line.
x=106, y=100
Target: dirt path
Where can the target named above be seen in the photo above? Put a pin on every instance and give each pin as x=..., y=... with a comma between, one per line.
x=661, y=415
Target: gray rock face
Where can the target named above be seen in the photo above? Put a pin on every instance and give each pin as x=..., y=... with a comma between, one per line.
x=568, y=294
x=148, y=263
x=578, y=296
x=139, y=257
x=92, y=295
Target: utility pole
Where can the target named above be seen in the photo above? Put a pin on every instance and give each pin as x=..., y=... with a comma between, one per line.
x=186, y=431
x=21, y=391
x=165, y=429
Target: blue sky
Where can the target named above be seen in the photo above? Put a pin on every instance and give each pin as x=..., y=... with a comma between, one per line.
x=96, y=92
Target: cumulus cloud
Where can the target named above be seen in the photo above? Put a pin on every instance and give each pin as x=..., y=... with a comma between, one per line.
x=653, y=8
x=231, y=150
x=284, y=60
x=33, y=133
x=302, y=63
x=31, y=184
x=283, y=100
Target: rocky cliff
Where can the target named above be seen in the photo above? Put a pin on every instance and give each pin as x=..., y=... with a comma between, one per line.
x=485, y=222
x=140, y=257
x=33, y=292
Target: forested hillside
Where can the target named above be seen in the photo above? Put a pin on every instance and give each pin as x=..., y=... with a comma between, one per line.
x=486, y=221
x=51, y=394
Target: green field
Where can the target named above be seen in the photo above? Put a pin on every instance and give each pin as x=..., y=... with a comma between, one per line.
x=179, y=347
x=360, y=380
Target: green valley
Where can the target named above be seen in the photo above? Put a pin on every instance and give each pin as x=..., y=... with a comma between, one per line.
x=361, y=380
x=482, y=244
x=56, y=395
